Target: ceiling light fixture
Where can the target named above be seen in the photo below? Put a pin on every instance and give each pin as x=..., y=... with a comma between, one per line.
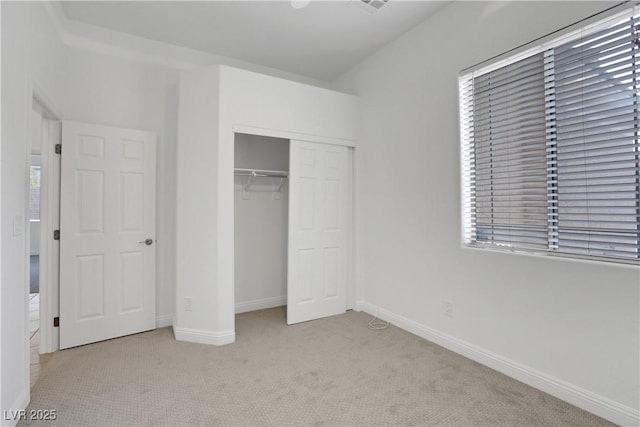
x=300, y=4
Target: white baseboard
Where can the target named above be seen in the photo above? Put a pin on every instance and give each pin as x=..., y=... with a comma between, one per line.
x=10, y=418
x=204, y=337
x=164, y=320
x=584, y=399
x=261, y=304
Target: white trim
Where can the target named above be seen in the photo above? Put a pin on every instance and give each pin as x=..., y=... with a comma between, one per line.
x=49, y=249
x=352, y=287
x=51, y=110
x=201, y=336
x=164, y=320
x=26, y=236
x=358, y=284
x=86, y=43
x=285, y=134
x=21, y=403
x=584, y=399
x=2, y=285
x=80, y=41
x=261, y=304
x=57, y=16
x=104, y=41
x=584, y=259
x=49, y=218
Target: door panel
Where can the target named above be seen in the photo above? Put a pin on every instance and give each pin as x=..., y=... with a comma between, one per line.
x=132, y=283
x=107, y=210
x=318, y=209
x=90, y=289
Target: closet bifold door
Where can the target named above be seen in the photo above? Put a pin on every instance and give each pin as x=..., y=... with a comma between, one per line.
x=318, y=208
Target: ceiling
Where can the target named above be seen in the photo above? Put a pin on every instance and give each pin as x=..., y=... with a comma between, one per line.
x=321, y=41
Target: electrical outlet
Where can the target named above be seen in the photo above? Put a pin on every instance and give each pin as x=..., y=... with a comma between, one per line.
x=447, y=307
x=188, y=304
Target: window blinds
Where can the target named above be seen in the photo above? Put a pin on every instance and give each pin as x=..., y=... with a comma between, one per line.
x=550, y=148
x=510, y=163
x=594, y=165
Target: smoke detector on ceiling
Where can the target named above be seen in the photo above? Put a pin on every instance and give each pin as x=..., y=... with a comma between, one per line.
x=370, y=5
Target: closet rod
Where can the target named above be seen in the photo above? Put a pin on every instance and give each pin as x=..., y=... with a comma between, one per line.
x=261, y=173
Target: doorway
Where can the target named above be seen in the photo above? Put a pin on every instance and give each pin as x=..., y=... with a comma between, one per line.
x=292, y=228
x=107, y=227
x=131, y=154
x=34, y=244
x=43, y=192
x=261, y=216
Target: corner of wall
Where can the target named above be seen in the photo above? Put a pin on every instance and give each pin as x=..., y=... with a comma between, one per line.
x=200, y=336
x=164, y=321
x=197, y=208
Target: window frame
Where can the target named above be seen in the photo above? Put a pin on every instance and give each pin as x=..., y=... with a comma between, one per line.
x=544, y=44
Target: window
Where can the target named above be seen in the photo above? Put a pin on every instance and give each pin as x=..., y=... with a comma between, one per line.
x=550, y=146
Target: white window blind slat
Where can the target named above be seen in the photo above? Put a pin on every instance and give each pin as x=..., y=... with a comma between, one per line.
x=597, y=36
x=596, y=71
x=508, y=143
x=550, y=148
x=621, y=134
x=588, y=63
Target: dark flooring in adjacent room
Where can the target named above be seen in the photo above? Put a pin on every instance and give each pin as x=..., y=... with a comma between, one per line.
x=34, y=274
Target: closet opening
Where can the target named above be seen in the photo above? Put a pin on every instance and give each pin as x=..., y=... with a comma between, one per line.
x=261, y=207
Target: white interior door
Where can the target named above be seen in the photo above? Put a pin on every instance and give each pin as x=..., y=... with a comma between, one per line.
x=107, y=211
x=318, y=209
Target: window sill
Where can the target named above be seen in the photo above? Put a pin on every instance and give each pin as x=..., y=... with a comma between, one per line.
x=556, y=256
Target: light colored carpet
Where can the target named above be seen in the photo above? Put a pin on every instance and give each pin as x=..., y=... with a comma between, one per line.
x=332, y=371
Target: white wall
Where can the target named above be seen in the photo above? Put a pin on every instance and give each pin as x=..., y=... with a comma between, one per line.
x=573, y=322
x=31, y=53
x=36, y=132
x=261, y=152
x=86, y=86
x=569, y=327
x=261, y=222
x=267, y=104
x=118, y=92
x=196, y=206
x=215, y=102
x=141, y=49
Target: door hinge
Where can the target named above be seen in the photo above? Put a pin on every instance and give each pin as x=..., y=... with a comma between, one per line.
x=56, y=322
x=58, y=148
x=56, y=234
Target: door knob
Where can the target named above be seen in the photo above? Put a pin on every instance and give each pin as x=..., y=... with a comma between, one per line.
x=147, y=241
